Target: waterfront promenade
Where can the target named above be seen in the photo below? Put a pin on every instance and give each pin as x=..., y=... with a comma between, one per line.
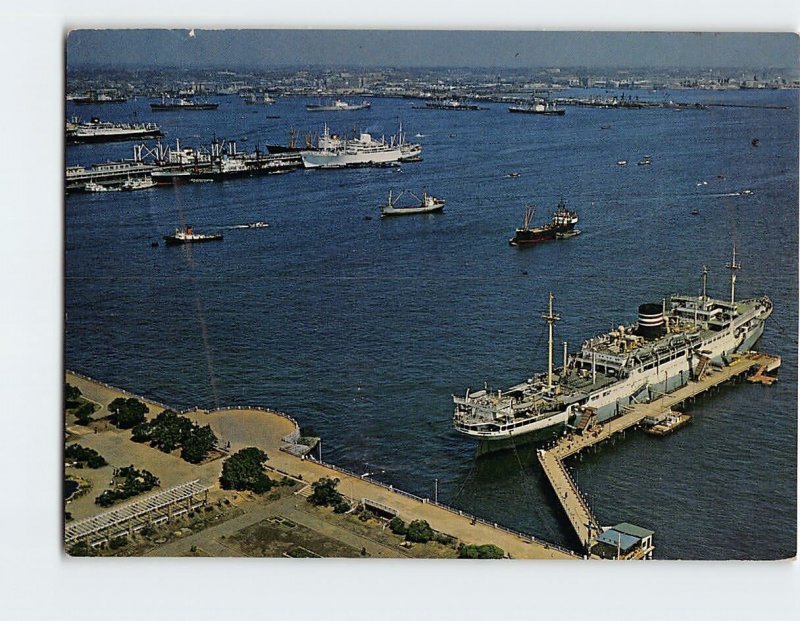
x=265, y=429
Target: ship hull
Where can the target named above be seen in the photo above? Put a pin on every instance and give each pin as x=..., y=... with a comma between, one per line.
x=409, y=211
x=172, y=240
x=322, y=159
x=116, y=137
x=172, y=108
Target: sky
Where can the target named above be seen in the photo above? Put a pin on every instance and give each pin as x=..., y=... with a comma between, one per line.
x=203, y=48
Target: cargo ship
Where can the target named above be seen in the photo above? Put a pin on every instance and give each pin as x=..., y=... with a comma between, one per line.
x=167, y=105
x=95, y=130
x=426, y=204
x=333, y=151
x=338, y=106
x=561, y=226
x=671, y=344
x=547, y=108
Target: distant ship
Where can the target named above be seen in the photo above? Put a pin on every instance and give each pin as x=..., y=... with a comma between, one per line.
x=96, y=130
x=338, y=106
x=539, y=107
x=427, y=204
x=561, y=226
x=95, y=97
x=333, y=151
x=188, y=236
x=448, y=104
x=265, y=99
x=182, y=104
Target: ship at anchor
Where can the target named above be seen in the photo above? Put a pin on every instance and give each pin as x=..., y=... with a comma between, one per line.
x=561, y=226
x=671, y=344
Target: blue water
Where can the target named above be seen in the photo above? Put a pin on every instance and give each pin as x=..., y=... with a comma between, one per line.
x=362, y=329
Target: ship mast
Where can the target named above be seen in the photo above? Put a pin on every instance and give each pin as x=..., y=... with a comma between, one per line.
x=733, y=266
x=705, y=285
x=550, y=318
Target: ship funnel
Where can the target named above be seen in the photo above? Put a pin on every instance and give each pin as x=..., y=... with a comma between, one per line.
x=651, y=321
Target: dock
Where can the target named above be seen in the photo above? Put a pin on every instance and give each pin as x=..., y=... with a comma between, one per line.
x=584, y=523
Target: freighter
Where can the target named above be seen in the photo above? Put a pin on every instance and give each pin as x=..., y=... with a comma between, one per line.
x=547, y=108
x=562, y=225
x=338, y=106
x=96, y=130
x=671, y=344
x=168, y=105
x=333, y=151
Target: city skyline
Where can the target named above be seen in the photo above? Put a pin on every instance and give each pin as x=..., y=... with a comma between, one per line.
x=263, y=49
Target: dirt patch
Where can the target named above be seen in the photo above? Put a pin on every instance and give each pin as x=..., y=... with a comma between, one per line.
x=282, y=537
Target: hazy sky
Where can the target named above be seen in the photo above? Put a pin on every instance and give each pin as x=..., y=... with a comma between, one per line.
x=425, y=48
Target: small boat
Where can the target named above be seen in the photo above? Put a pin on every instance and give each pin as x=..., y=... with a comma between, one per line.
x=568, y=234
x=645, y=161
x=695, y=212
x=188, y=236
x=257, y=225
x=622, y=162
x=141, y=183
x=93, y=186
x=512, y=175
x=427, y=204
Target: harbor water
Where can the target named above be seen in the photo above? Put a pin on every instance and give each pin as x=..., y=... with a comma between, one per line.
x=362, y=329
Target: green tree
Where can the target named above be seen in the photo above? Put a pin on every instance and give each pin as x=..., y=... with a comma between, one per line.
x=71, y=396
x=325, y=493
x=485, y=551
x=201, y=440
x=127, y=413
x=84, y=455
x=244, y=470
x=83, y=415
x=419, y=531
x=81, y=548
x=398, y=526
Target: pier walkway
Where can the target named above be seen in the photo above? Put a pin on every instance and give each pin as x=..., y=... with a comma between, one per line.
x=552, y=459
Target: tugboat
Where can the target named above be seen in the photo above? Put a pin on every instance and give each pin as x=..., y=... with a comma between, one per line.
x=427, y=204
x=188, y=236
x=561, y=226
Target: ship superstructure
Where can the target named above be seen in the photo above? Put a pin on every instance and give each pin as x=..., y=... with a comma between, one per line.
x=671, y=344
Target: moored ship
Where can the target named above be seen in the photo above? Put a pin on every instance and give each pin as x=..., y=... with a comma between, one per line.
x=188, y=236
x=671, y=344
x=338, y=105
x=333, y=151
x=561, y=226
x=547, y=108
x=96, y=130
x=167, y=105
x=426, y=204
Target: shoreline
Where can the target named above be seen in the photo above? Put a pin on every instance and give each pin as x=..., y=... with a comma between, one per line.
x=274, y=432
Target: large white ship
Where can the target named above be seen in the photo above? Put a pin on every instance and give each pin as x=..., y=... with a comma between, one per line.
x=333, y=151
x=671, y=344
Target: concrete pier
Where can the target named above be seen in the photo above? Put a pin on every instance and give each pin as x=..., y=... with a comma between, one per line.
x=552, y=459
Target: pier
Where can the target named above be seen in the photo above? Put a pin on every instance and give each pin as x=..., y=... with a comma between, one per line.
x=585, y=524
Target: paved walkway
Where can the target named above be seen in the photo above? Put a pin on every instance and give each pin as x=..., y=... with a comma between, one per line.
x=264, y=429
